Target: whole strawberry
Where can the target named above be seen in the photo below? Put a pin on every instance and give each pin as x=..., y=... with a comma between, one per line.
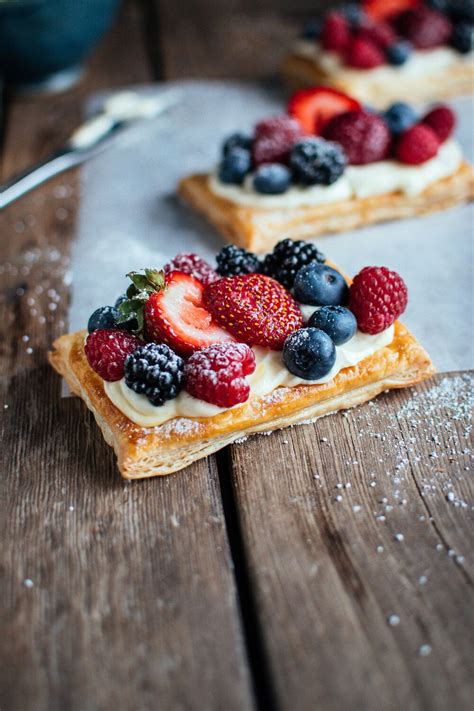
x=217, y=374
x=365, y=137
x=190, y=263
x=106, y=351
x=256, y=309
x=274, y=139
x=417, y=145
x=377, y=297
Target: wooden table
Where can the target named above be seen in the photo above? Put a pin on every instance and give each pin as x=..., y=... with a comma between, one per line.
x=322, y=567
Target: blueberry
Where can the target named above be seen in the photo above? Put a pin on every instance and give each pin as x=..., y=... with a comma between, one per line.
x=398, y=53
x=439, y=5
x=132, y=323
x=399, y=118
x=462, y=10
x=236, y=140
x=312, y=29
x=103, y=317
x=320, y=285
x=461, y=39
x=272, y=179
x=309, y=353
x=353, y=13
x=235, y=166
x=337, y=321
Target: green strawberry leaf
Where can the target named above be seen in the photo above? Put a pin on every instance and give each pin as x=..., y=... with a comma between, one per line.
x=138, y=293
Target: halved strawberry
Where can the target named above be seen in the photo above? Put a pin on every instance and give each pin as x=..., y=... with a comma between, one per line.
x=176, y=315
x=385, y=9
x=257, y=309
x=315, y=107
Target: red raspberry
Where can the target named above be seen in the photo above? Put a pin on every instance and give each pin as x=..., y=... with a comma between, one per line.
x=425, y=28
x=336, y=32
x=377, y=297
x=106, y=351
x=365, y=137
x=442, y=120
x=274, y=139
x=190, y=263
x=417, y=145
x=217, y=374
x=362, y=53
x=379, y=33
x=256, y=309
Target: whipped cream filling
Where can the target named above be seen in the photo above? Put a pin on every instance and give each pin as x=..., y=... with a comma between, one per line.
x=419, y=64
x=270, y=373
x=358, y=181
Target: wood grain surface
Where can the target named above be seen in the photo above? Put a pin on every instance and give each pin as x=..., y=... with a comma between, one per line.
x=327, y=566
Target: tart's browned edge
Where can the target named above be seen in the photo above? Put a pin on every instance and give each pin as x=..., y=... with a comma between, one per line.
x=259, y=228
x=404, y=362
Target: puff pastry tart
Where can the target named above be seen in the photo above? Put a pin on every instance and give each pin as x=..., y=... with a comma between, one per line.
x=330, y=165
x=192, y=358
x=382, y=51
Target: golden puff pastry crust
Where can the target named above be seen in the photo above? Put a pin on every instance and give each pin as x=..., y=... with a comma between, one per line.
x=145, y=452
x=373, y=88
x=260, y=228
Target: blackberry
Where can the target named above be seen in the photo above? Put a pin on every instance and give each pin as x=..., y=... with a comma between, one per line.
x=233, y=260
x=287, y=259
x=156, y=371
x=461, y=39
x=462, y=10
x=315, y=161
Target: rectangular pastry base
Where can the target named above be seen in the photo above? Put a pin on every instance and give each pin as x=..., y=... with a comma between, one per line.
x=456, y=80
x=145, y=452
x=259, y=229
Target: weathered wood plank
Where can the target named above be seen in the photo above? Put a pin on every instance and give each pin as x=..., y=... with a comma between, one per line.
x=338, y=539
x=132, y=602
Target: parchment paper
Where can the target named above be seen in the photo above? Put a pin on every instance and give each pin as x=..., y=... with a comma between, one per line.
x=130, y=218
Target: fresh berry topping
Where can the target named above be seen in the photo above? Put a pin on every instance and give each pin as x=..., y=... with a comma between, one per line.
x=364, y=137
x=425, y=28
x=362, y=53
x=314, y=108
x=272, y=179
x=398, y=53
x=106, y=351
x=130, y=324
x=177, y=316
x=217, y=374
x=386, y=9
x=233, y=260
x=257, y=310
x=103, y=317
x=190, y=263
x=377, y=297
x=336, y=32
x=439, y=5
x=417, y=145
x=461, y=39
x=235, y=166
x=309, y=353
x=237, y=140
x=320, y=285
x=315, y=161
x=399, y=118
x=288, y=257
x=442, y=120
x=274, y=139
x=462, y=10
x=338, y=322
x=156, y=371
x=354, y=14
x=378, y=33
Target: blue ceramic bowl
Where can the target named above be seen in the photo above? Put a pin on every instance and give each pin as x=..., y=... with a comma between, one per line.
x=42, y=39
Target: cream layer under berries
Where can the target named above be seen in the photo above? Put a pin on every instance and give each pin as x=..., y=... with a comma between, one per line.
x=366, y=45
x=330, y=149
x=192, y=341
